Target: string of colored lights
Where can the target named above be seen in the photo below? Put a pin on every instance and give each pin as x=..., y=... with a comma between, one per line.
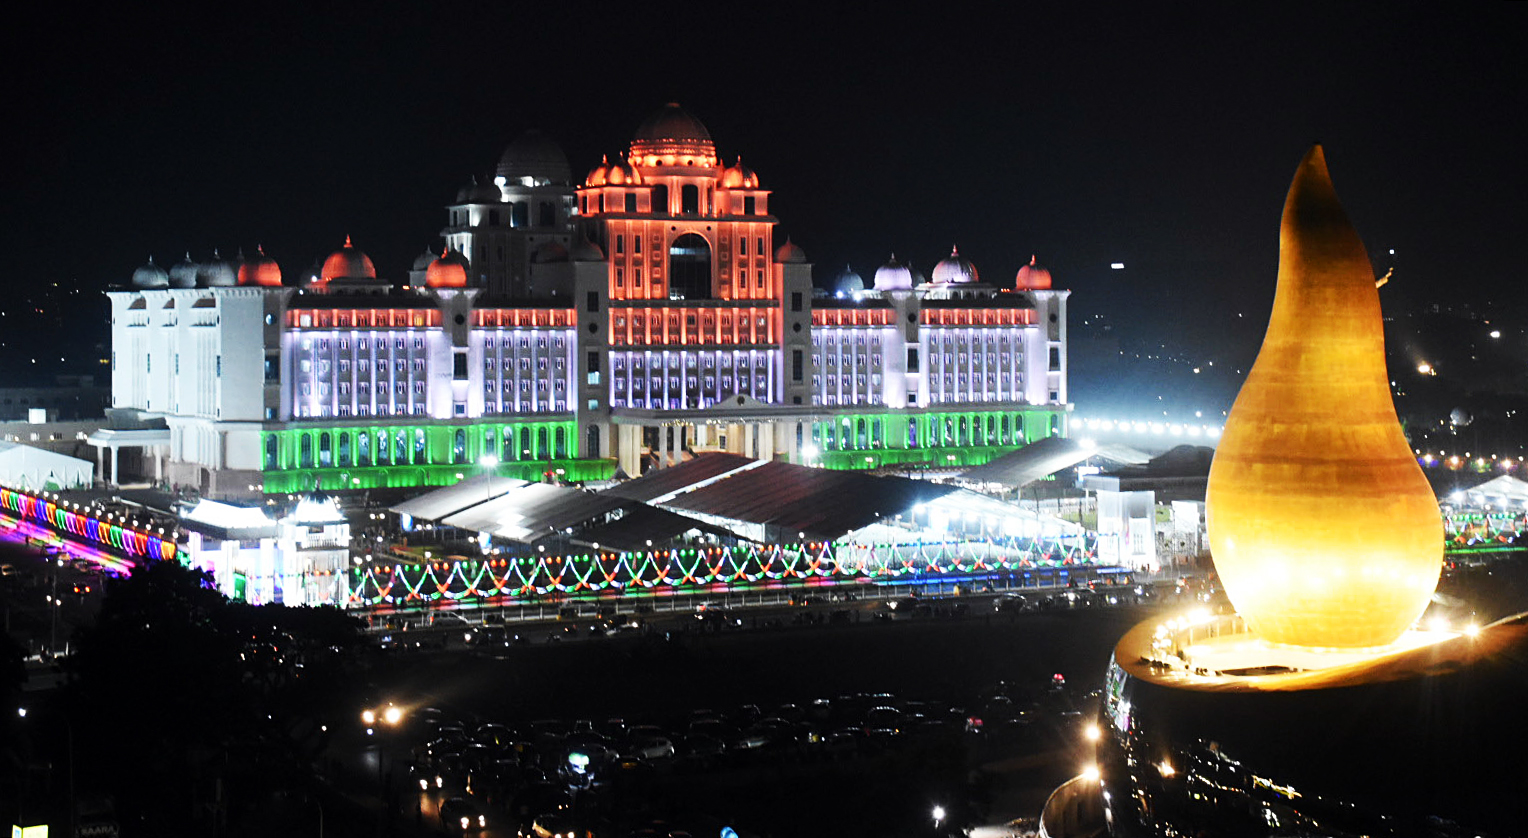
x=458, y=579
x=131, y=541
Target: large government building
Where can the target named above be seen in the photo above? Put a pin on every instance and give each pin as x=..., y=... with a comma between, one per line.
x=584, y=330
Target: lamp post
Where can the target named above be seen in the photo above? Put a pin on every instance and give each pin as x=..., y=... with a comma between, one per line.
x=377, y=721
x=21, y=713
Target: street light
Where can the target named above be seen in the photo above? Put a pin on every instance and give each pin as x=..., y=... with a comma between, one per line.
x=939, y=814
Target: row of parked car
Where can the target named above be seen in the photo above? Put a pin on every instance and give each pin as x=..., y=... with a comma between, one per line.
x=530, y=772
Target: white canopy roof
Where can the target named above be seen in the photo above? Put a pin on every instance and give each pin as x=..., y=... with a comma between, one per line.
x=36, y=469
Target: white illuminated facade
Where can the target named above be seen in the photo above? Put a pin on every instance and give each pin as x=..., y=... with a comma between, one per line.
x=619, y=325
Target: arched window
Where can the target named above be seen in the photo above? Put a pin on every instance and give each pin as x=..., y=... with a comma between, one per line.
x=690, y=268
x=660, y=199
x=546, y=215
x=519, y=214
x=271, y=449
x=400, y=447
x=543, y=448
x=912, y=433
x=526, y=451
x=1055, y=425
x=508, y=451
x=459, y=447
x=382, y=449
x=344, y=450
x=307, y=451
x=363, y=449
x=562, y=444
x=861, y=435
x=592, y=442
x=689, y=199
x=419, y=445
x=1018, y=429
x=1004, y=436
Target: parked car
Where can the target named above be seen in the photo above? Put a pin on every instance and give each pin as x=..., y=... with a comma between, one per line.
x=461, y=814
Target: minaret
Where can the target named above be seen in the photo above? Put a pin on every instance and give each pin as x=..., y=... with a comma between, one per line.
x=1324, y=530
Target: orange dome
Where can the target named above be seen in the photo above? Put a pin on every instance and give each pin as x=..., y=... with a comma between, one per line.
x=673, y=132
x=262, y=271
x=739, y=176
x=1032, y=277
x=348, y=263
x=597, y=176
x=620, y=174
x=449, y=271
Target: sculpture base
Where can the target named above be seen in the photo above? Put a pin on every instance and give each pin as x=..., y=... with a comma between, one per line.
x=1211, y=731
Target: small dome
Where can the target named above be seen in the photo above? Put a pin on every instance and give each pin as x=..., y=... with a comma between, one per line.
x=480, y=193
x=955, y=270
x=1032, y=277
x=262, y=271
x=219, y=273
x=549, y=251
x=587, y=251
x=534, y=156
x=848, y=282
x=151, y=276
x=790, y=253
x=423, y=260
x=183, y=274
x=597, y=176
x=621, y=173
x=893, y=276
x=738, y=176
x=348, y=263
x=449, y=271
x=672, y=130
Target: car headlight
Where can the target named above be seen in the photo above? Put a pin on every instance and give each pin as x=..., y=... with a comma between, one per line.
x=482, y=820
x=466, y=822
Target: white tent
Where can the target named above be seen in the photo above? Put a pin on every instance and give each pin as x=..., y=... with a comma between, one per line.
x=1502, y=492
x=37, y=469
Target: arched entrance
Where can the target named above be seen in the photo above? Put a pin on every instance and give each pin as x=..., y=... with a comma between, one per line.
x=690, y=268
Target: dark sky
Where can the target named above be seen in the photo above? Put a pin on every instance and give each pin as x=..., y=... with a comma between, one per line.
x=1158, y=135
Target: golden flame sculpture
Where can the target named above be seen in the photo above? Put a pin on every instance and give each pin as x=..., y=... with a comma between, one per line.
x=1323, y=529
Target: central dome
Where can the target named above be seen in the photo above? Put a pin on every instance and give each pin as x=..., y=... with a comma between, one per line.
x=955, y=269
x=348, y=263
x=535, y=156
x=672, y=131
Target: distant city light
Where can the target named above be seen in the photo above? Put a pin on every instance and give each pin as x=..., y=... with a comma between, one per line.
x=1495, y=333
x=1118, y=266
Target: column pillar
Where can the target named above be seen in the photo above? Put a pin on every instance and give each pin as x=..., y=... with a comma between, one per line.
x=662, y=446
x=101, y=463
x=748, y=446
x=792, y=453
x=114, y=466
x=158, y=464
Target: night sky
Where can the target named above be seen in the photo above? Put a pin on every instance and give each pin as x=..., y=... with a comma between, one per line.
x=1162, y=136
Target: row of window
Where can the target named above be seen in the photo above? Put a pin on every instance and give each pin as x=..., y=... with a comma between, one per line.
x=362, y=449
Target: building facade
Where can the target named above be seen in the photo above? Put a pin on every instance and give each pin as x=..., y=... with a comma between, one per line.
x=584, y=331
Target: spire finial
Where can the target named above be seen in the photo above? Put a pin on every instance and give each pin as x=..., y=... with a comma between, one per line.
x=347, y=235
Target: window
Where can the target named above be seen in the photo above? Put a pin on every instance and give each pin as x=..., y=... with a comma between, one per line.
x=797, y=364
x=459, y=365
x=592, y=303
x=631, y=202
x=749, y=205
x=795, y=301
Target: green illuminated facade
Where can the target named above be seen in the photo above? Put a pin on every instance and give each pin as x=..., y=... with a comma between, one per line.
x=399, y=456
x=939, y=438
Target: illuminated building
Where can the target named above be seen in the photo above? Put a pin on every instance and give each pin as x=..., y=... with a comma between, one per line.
x=613, y=326
x=1321, y=707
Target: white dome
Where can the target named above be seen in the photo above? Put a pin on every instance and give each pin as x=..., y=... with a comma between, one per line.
x=151, y=276
x=955, y=270
x=893, y=276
